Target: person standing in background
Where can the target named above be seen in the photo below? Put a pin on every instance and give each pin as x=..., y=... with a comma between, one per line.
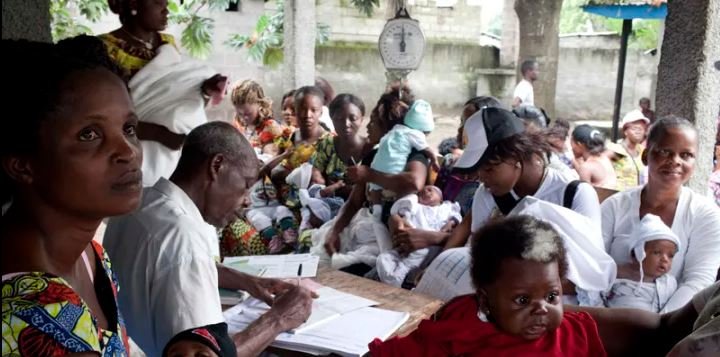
x=645, y=108
x=524, y=93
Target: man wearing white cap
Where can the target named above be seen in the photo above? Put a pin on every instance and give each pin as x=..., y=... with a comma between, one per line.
x=628, y=164
x=645, y=283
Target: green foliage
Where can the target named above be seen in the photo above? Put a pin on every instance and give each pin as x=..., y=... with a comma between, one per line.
x=264, y=45
x=366, y=7
x=197, y=33
x=64, y=24
x=573, y=19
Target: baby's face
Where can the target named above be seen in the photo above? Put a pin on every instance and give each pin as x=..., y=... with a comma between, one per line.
x=525, y=299
x=658, y=257
x=429, y=196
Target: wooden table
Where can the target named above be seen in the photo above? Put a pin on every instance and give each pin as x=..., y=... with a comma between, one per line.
x=418, y=306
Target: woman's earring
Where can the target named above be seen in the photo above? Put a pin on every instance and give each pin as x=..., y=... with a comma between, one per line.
x=483, y=316
x=133, y=12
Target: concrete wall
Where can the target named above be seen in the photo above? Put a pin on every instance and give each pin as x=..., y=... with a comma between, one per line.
x=452, y=71
x=26, y=19
x=587, y=73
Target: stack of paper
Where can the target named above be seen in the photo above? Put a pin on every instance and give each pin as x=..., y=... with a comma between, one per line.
x=275, y=266
x=340, y=323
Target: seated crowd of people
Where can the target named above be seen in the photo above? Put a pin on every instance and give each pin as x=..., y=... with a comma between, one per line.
x=504, y=221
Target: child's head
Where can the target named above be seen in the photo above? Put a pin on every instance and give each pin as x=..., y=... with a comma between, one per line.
x=430, y=196
x=309, y=102
x=420, y=117
x=250, y=103
x=288, y=109
x=655, y=246
x=518, y=264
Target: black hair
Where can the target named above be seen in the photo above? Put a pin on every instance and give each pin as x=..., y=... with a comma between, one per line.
x=215, y=138
x=290, y=93
x=593, y=139
x=660, y=127
x=484, y=101
x=343, y=99
x=519, y=237
x=532, y=115
x=527, y=65
x=448, y=145
x=519, y=147
x=301, y=92
x=38, y=72
x=328, y=91
x=393, y=105
x=559, y=130
x=644, y=99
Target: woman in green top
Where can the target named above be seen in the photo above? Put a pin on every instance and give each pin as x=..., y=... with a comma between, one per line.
x=334, y=154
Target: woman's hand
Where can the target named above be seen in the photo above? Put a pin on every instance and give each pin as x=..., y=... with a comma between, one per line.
x=358, y=174
x=332, y=243
x=214, y=88
x=407, y=239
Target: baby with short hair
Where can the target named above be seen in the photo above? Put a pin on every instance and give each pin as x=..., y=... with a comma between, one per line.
x=646, y=283
x=424, y=210
x=518, y=264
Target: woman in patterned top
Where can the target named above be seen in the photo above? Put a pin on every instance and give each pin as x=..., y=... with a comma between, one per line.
x=67, y=164
x=334, y=154
x=136, y=43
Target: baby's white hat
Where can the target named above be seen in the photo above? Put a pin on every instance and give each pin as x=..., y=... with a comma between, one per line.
x=651, y=228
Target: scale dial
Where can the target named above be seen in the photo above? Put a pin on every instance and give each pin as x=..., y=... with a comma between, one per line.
x=402, y=44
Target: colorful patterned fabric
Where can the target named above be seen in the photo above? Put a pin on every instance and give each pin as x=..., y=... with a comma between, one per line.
x=268, y=131
x=239, y=238
x=43, y=316
x=130, y=58
x=327, y=160
x=628, y=170
x=303, y=152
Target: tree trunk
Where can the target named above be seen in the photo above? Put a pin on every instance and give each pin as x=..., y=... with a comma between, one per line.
x=539, y=29
x=687, y=83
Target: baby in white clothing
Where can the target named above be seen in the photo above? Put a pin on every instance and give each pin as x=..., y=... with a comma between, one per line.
x=646, y=282
x=424, y=210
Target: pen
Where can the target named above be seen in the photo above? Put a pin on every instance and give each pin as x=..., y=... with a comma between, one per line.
x=299, y=274
x=353, y=161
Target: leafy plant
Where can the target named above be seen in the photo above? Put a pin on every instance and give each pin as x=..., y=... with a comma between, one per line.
x=265, y=43
x=64, y=24
x=197, y=33
x=367, y=7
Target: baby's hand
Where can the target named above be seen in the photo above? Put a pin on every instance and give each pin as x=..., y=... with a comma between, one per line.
x=448, y=227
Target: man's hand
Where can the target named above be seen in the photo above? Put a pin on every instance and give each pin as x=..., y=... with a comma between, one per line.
x=292, y=308
x=264, y=289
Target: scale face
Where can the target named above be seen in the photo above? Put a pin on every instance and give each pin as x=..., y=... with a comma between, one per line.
x=402, y=44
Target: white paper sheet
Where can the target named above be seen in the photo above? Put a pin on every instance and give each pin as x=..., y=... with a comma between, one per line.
x=276, y=266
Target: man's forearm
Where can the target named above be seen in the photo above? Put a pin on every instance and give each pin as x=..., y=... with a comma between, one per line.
x=257, y=336
x=229, y=278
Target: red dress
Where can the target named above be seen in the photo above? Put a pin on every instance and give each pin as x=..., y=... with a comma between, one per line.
x=457, y=331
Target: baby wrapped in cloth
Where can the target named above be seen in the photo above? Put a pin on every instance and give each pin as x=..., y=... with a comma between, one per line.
x=425, y=210
x=646, y=283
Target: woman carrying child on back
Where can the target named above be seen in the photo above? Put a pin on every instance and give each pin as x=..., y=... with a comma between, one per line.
x=518, y=265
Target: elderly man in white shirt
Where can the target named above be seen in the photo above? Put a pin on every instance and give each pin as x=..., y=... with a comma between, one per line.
x=165, y=254
x=524, y=93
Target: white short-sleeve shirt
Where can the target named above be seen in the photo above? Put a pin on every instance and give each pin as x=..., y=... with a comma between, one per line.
x=164, y=256
x=524, y=91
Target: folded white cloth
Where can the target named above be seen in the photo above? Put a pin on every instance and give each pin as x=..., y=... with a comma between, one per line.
x=590, y=268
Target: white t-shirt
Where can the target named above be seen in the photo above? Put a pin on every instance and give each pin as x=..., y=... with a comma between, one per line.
x=552, y=189
x=164, y=257
x=697, y=225
x=524, y=91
